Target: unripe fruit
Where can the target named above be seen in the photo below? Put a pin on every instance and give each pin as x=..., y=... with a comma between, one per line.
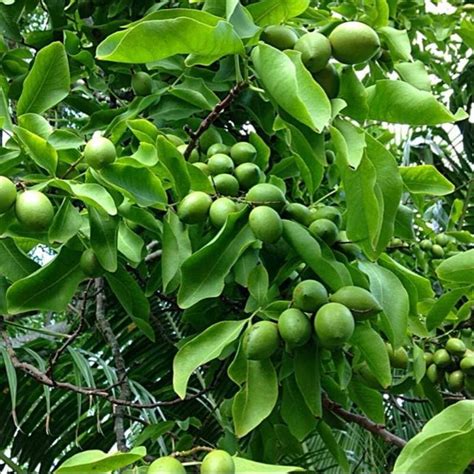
x=334, y=325
x=437, y=251
x=327, y=212
x=294, y=327
x=433, y=373
x=142, y=83
x=7, y=194
x=220, y=163
x=90, y=264
x=99, y=152
x=426, y=244
x=166, y=465
x=467, y=365
x=455, y=346
x=442, y=239
x=175, y=140
x=354, y=42
x=328, y=79
x=226, y=184
x=325, y=230
x=361, y=302
x=261, y=340
x=218, y=462
x=330, y=157
x=441, y=358
x=34, y=210
x=309, y=295
x=315, y=50
x=398, y=357
x=248, y=175
x=350, y=249
x=279, y=36
x=194, y=207
x=266, y=224
x=266, y=194
x=456, y=381
x=203, y=167
x=210, y=137
x=193, y=157
x=219, y=211
x=218, y=148
x=298, y=212
x=428, y=356
x=243, y=152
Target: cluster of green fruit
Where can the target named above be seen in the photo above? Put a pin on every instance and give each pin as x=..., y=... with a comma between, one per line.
x=216, y=462
x=351, y=42
x=440, y=245
x=452, y=366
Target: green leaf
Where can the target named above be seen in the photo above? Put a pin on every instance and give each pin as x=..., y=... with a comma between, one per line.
x=374, y=352
x=400, y=102
x=104, y=235
x=458, y=269
x=443, y=306
x=256, y=399
x=258, y=284
x=333, y=445
x=47, y=83
x=93, y=461
x=354, y=94
x=50, y=288
x=204, y=272
x=154, y=431
x=273, y=12
x=355, y=140
x=66, y=223
x=291, y=86
x=4, y=112
x=404, y=223
x=14, y=264
x=202, y=349
x=130, y=244
x=415, y=74
x=12, y=381
x=398, y=43
x=245, y=466
x=368, y=400
x=196, y=92
x=425, y=179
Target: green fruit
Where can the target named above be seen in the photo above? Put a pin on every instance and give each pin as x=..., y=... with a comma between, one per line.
x=217, y=148
x=175, y=140
x=455, y=346
x=142, y=83
x=433, y=373
x=266, y=224
x=194, y=207
x=266, y=194
x=428, y=356
x=398, y=357
x=326, y=212
x=442, y=239
x=279, y=36
x=426, y=244
x=354, y=42
x=219, y=211
x=369, y=377
x=203, y=167
x=315, y=50
x=218, y=462
x=330, y=157
x=442, y=358
x=467, y=365
x=334, y=325
x=210, y=137
x=361, y=302
x=261, y=340
x=298, y=212
x=325, y=230
x=456, y=381
x=350, y=249
x=243, y=152
x=294, y=327
x=166, y=465
x=7, y=194
x=226, y=184
x=193, y=157
x=437, y=251
x=220, y=163
x=328, y=78
x=248, y=175
x=309, y=295
x=90, y=264
x=34, y=210
x=99, y=152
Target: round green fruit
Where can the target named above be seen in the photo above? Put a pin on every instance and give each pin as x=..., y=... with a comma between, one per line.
x=455, y=346
x=7, y=194
x=248, y=175
x=193, y=157
x=279, y=36
x=442, y=358
x=220, y=163
x=456, y=381
x=294, y=327
x=327, y=212
x=442, y=239
x=194, y=208
x=433, y=373
x=218, y=462
x=426, y=244
x=90, y=264
x=361, y=302
x=266, y=194
x=325, y=230
x=437, y=251
x=330, y=157
x=34, y=210
x=203, y=167
x=354, y=42
x=315, y=50
x=217, y=148
x=142, y=83
x=174, y=139
x=329, y=80
x=99, y=152
x=428, y=356
x=166, y=465
x=243, y=152
x=266, y=224
x=309, y=295
x=298, y=212
x=398, y=357
x=334, y=325
x=220, y=210
x=261, y=340
x=226, y=184
x=209, y=138
x=467, y=365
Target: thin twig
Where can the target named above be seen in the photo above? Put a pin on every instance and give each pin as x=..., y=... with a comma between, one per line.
x=153, y=255
x=190, y=452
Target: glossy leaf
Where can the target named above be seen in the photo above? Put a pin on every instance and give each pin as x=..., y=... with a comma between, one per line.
x=104, y=234
x=14, y=264
x=458, y=269
x=370, y=401
x=273, y=12
x=425, y=179
x=66, y=223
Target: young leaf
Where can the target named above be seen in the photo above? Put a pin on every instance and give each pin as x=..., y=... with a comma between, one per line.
x=273, y=12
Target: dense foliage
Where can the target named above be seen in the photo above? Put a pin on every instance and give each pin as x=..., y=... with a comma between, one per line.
x=236, y=236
